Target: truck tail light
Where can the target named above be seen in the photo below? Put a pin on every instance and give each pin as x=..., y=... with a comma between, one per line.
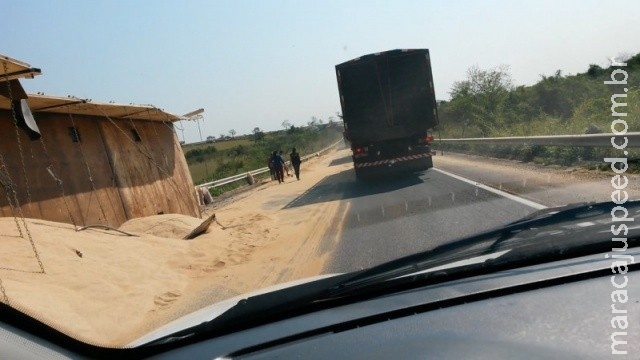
x=359, y=151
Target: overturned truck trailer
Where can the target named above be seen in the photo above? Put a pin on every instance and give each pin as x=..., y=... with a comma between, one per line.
x=77, y=161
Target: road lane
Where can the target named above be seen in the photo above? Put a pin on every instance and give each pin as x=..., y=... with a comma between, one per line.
x=388, y=219
x=548, y=185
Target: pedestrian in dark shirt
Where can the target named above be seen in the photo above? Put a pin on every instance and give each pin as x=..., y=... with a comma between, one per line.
x=271, y=165
x=295, y=161
x=278, y=162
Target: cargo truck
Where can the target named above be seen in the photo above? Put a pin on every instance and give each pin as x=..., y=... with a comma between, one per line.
x=389, y=111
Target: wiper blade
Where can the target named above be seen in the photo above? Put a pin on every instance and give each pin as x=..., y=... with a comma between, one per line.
x=477, y=245
x=575, y=210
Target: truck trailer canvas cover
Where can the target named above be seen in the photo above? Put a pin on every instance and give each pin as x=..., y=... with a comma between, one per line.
x=384, y=96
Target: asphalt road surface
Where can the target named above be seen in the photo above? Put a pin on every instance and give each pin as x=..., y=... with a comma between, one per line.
x=387, y=219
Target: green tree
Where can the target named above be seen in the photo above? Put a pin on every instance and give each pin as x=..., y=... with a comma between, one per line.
x=479, y=99
x=258, y=134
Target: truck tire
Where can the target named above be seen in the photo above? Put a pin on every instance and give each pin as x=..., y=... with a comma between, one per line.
x=429, y=162
x=423, y=164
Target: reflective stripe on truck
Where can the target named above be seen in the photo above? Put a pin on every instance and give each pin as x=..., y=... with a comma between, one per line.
x=392, y=161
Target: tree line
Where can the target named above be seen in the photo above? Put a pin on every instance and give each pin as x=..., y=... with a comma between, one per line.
x=487, y=103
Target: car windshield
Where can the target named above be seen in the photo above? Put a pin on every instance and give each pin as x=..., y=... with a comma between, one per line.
x=158, y=158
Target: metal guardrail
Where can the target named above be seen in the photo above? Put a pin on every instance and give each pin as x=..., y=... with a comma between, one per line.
x=587, y=140
x=243, y=176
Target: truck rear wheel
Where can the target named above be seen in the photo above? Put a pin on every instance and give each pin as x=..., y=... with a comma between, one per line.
x=429, y=162
x=423, y=164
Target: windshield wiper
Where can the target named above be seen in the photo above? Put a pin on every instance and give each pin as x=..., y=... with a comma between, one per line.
x=491, y=241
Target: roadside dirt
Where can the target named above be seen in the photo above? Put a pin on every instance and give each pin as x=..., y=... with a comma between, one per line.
x=107, y=288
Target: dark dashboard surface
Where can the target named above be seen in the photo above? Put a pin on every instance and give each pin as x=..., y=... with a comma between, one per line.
x=560, y=310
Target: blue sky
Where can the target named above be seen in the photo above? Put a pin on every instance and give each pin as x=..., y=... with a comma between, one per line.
x=257, y=63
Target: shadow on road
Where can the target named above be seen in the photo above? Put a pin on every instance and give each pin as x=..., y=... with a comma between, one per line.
x=343, y=185
x=340, y=161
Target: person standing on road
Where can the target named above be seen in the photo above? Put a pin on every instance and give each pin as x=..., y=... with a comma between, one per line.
x=270, y=164
x=278, y=163
x=285, y=166
x=295, y=161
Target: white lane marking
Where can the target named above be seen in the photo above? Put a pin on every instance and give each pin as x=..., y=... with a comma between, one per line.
x=519, y=199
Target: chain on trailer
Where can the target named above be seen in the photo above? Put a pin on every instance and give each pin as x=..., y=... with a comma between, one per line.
x=139, y=143
x=145, y=146
x=149, y=156
x=16, y=206
x=164, y=155
x=155, y=131
x=51, y=171
x=14, y=203
x=94, y=191
x=17, y=130
x=171, y=126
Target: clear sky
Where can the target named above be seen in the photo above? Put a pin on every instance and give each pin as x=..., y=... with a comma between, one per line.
x=257, y=63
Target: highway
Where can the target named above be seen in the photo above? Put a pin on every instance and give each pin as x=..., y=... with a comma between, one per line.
x=387, y=219
x=384, y=220
x=328, y=222
x=351, y=225
x=417, y=213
